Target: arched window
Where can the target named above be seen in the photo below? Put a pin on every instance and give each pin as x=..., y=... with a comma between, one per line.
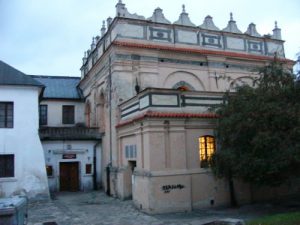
x=87, y=114
x=183, y=86
x=207, y=147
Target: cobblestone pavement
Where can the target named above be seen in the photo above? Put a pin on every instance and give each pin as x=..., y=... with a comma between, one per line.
x=95, y=208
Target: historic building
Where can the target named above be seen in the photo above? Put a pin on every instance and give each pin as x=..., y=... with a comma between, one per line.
x=149, y=85
x=20, y=145
x=139, y=121
x=72, y=151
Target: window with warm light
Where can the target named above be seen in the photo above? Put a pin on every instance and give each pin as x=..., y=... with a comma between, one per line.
x=207, y=147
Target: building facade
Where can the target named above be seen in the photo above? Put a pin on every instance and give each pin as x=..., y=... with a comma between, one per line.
x=72, y=151
x=19, y=140
x=150, y=85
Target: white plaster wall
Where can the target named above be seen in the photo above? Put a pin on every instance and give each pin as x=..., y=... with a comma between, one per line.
x=235, y=43
x=23, y=141
x=128, y=30
x=55, y=112
x=187, y=36
x=84, y=151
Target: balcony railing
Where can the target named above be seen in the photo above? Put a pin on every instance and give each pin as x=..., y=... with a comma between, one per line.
x=170, y=100
x=69, y=133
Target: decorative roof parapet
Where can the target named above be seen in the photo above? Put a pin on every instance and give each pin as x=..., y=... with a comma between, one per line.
x=158, y=17
x=209, y=24
x=103, y=29
x=252, y=30
x=121, y=11
x=232, y=27
x=108, y=22
x=276, y=32
x=184, y=18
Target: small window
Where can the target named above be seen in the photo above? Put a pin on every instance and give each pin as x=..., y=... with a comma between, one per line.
x=68, y=114
x=49, y=170
x=7, y=165
x=43, y=114
x=130, y=151
x=206, y=148
x=6, y=114
x=88, y=168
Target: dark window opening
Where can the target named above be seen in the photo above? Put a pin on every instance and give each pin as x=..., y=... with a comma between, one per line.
x=6, y=114
x=88, y=168
x=7, y=165
x=49, y=170
x=43, y=114
x=68, y=114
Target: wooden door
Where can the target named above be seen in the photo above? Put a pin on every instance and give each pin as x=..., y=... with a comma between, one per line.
x=69, y=176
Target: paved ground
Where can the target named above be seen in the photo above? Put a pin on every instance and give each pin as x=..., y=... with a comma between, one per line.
x=95, y=208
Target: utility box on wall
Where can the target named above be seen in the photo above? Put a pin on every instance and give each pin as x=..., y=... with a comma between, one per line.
x=13, y=211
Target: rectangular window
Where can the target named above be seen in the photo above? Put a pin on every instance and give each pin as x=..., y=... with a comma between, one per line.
x=7, y=165
x=130, y=151
x=43, y=114
x=88, y=168
x=68, y=114
x=207, y=148
x=49, y=170
x=6, y=114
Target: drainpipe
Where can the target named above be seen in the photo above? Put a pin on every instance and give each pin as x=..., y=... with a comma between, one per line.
x=108, y=192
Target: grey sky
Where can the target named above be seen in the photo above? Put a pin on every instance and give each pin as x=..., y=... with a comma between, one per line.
x=48, y=37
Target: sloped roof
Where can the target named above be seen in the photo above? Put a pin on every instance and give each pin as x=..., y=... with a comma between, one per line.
x=60, y=87
x=11, y=76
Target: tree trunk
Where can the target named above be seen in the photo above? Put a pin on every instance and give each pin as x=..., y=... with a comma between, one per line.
x=233, y=201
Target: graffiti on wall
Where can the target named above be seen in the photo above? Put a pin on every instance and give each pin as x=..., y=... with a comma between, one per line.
x=168, y=188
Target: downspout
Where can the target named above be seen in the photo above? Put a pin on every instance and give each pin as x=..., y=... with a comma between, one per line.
x=108, y=192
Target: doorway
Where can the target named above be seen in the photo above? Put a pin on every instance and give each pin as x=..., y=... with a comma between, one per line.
x=69, y=176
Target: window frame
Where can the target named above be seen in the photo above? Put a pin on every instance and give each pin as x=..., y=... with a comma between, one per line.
x=43, y=115
x=8, y=117
x=66, y=118
x=209, y=149
x=88, y=169
x=7, y=169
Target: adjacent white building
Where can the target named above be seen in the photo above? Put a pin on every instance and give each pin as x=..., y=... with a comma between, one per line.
x=22, y=163
x=72, y=151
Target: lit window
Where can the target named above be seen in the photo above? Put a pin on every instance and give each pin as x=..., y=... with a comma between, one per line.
x=206, y=148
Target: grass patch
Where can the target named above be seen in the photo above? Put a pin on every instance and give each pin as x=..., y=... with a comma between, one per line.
x=292, y=218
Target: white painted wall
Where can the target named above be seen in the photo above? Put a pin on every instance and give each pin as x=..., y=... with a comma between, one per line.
x=23, y=141
x=55, y=112
x=84, y=151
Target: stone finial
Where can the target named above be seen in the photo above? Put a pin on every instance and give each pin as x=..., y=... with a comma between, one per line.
x=121, y=11
x=158, y=16
x=276, y=32
x=108, y=22
x=93, y=45
x=184, y=18
x=84, y=58
x=231, y=26
x=252, y=30
x=209, y=24
x=103, y=29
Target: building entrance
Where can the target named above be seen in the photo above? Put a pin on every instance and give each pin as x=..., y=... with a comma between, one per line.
x=69, y=176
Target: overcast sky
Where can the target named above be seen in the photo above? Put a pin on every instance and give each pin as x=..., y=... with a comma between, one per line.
x=49, y=37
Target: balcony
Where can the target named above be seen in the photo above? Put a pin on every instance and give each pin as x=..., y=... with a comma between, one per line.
x=173, y=103
x=69, y=133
